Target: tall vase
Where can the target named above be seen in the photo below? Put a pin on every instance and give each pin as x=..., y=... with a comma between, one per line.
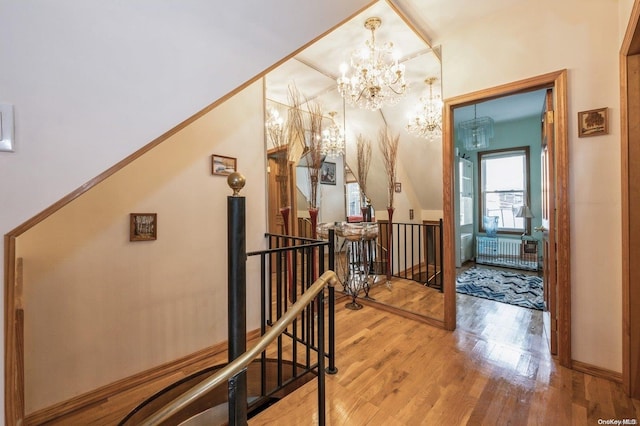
x=389, y=243
x=284, y=211
x=313, y=215
x=366, y=213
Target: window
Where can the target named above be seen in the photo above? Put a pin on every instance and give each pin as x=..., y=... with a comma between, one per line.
x=504, y=186
x=353, y=199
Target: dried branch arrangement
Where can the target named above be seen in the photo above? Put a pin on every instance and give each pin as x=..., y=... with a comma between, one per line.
x=287, y=139
x=389, y=147
x=276, y=130
x=314, y=154
x=295, y=125
x=363, y=152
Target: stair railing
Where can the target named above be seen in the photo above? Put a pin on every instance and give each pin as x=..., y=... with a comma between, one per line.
x=417, y=252
x=288, y=268
x=237, y=366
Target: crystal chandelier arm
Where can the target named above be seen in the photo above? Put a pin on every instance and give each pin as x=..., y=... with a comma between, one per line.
x=361, y=93
x=398, y=92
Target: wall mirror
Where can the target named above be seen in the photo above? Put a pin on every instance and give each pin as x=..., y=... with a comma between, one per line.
x=417, y=200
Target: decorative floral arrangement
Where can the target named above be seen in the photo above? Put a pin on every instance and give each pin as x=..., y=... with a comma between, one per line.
x=363, y=152
x=295, y=125
x=389, y=147
x=314, y=151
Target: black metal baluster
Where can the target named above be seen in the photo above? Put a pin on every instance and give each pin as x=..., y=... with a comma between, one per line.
x=263, y=323
x=321, y=378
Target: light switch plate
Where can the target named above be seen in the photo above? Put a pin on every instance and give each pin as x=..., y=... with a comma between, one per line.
x=6, y=128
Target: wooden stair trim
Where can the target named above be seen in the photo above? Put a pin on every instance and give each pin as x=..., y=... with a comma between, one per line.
x=102, y=393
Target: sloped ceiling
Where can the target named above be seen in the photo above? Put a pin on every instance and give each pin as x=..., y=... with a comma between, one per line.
x=314, y=71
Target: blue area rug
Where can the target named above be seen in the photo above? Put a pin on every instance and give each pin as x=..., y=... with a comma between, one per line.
x=502, y=286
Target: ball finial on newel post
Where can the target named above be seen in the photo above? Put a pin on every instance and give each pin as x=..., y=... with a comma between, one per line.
x=236, y=182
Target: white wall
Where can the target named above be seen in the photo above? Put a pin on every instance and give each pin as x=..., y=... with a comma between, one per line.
x=624, y=14
x=94, y=81
x=550, y=36
x=99, y=308
x=332, y=197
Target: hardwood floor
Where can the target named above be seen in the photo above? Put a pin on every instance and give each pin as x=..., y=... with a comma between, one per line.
x=494, y=369
x=410, y=296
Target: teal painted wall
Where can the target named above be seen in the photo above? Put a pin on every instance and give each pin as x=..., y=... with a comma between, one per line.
x=511, y=134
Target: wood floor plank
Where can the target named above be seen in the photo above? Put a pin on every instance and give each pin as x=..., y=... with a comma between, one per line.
x=494, y=369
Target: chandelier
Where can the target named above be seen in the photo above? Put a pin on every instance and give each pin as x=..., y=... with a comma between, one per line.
x=426, y=121
x=332, y=139
x=376, y=79
x=476, y=133
x=275, y=127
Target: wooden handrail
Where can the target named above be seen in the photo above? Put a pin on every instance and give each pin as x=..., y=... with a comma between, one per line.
x=236, y=366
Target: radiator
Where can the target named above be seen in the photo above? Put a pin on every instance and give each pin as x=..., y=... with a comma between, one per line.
x=507, y=252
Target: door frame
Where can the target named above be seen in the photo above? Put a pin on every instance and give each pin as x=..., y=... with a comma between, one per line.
x=291, y=191
x=630, y=166
x=558, y=81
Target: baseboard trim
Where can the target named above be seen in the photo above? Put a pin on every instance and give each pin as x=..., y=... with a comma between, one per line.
x=100, y=394
x=595, y=371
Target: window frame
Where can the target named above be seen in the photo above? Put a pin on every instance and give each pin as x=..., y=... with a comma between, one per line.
x=527, y=187
x=348, y=198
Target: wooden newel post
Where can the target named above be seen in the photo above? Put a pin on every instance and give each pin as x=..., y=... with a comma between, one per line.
x=237, y=293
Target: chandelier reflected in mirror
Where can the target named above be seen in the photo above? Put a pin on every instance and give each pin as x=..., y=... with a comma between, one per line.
x=374, y=77
x=332, y=139
x=475, y=134
x=426, y=120
x=275, y=128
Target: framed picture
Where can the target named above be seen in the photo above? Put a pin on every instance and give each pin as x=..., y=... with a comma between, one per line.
x=221, y=165
x=593, y=123
x=328, y=173
x=397, y=187
x=143, y=226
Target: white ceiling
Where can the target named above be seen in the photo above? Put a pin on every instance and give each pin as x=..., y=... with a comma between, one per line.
x=505, y=108
x=315, y=69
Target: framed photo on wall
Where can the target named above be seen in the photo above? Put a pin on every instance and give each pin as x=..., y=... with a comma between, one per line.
x=328, y=173
x=143, y=226
x=593, y=122
x=222, y=165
